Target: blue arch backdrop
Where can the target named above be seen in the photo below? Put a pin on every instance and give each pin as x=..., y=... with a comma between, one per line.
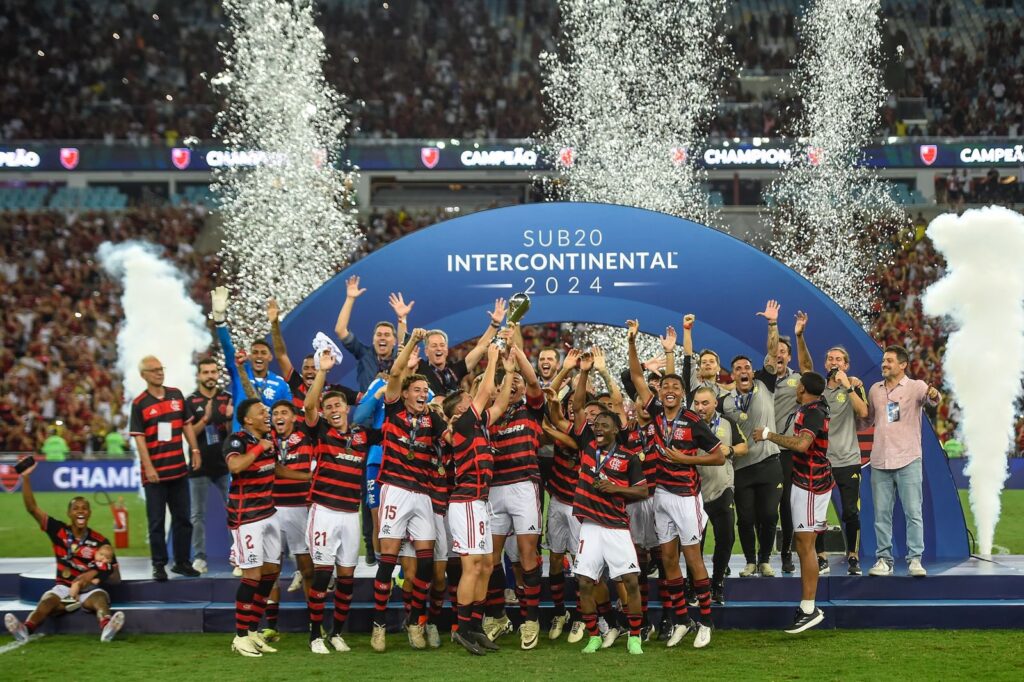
x=604, y=263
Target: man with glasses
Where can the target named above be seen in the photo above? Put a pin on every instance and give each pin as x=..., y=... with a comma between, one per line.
x=158, y=424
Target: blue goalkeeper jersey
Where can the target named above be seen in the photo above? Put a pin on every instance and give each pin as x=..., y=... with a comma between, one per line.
x=270, y=388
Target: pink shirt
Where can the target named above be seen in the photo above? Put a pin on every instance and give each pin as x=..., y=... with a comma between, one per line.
x=896, y=443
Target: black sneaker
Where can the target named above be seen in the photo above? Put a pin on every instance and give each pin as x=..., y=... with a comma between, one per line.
x=854, y=565
x=185, y=570
x=159, y=573
x=805, y=621
x=823, y=567
x=468, y=644
x=482, y=640
x=718, y=593
x=647, y=633
x=665, y=629
x=690, y=594
x=787, y=563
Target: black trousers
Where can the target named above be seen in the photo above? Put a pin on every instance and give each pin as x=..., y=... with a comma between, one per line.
x=723, y=521
x=171, y=496
x=758, y=491
x=848, y=481
x=785, y=511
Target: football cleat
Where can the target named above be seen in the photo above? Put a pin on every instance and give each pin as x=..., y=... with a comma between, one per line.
x=433, y=636
x=261, y=644
x=296, y=584
x=610, y=638
x=339, y=644
x=16, y=628
x=529, y=634
x=244, y=646
x=703, y=637
x=633, y=646
x=112, y=627
x=557, y=626
x=748, y=570
x=593, y=645
x=317, y=646
x=576, y=632
x=417, y=637
x=378, y=640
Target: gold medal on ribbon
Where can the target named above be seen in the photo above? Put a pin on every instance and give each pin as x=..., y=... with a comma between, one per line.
x=642, y=456
x=66, y=573
x=743, y=416
x=440, y=471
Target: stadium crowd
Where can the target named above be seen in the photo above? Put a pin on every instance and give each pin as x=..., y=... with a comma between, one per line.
x=139, y=71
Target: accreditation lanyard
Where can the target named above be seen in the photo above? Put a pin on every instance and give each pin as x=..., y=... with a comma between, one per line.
x=742, y=401
x=667, y=434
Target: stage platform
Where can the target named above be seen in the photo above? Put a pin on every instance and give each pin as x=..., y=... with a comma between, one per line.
x=974, y=593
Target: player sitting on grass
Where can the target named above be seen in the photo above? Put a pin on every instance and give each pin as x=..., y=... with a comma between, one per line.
x=75, y=547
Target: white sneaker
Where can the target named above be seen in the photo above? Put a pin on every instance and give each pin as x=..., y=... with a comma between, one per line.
x=576, y=632
x=339, y=644
x=766, y=571
x=881, y=567
x=112, y=627
x=557, y=625
x=433, y=636
x=749, y=570
x=317, y=646
x=609, y=638
x=245, y=646
x=296, y=584
x=703, y=637
x=916, y=569
x=511, y=598
x=261, y=644
x=16, y=628
x=200, y=565
x=678, y=632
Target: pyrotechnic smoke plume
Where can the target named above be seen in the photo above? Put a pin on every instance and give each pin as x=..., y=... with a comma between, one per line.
x=286, y=225
x=829, y=215
x=983, y=293
x=160, y=317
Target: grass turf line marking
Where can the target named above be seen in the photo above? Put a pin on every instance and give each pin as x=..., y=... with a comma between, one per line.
x=14, y=645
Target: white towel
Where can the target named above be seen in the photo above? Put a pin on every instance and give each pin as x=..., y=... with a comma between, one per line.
x=322, y=342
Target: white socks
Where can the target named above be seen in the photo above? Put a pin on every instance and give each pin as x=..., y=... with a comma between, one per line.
x=807, y=605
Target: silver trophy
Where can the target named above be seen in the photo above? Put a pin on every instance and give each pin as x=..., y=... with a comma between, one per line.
x=518, y=304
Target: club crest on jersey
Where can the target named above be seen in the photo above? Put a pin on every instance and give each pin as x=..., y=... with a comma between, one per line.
x=235, y=443
x=682, y=433
x=617, y=464
x=841, y=398
x=175, y=405
x=358, y=438
x=791, y=382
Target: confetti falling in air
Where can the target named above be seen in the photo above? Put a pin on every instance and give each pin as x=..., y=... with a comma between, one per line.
x=287, y=227
x=629, y=93
x=830, y=216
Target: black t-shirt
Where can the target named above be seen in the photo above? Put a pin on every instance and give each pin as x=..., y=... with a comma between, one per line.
x=443, y=381
x=212, y=436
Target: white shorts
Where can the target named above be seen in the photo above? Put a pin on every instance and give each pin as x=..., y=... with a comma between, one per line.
x=642, y=526
x=515, y=508
x=563, y=528
x=333, y=536
x=676, y=516
x=64, y=591
x=600, y=547
x=292, y=521
x=405, y=515
x=257, y=543
x=809, y=510
x=442, y=547
x=471, y=527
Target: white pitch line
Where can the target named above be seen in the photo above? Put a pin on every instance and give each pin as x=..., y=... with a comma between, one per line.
x=14, y=645
x=999, y=549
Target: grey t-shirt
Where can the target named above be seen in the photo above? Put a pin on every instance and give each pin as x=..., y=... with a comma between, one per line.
x=843, y=445
x=785, y=399
x=715, y=480
x=691, y=375
x=759, y=411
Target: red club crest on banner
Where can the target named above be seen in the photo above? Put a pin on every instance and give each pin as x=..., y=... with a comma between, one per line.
x=9, y=478
x=181, y=157
x=929, y=152
x=69, y=157
x=430, y=156
x=566, y=157
x=678, y=156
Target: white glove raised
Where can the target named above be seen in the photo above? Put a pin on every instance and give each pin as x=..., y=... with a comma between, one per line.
x=219, y=303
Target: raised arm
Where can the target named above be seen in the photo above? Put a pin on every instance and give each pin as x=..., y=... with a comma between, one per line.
x=803, y=356
x=555, y=416
x=572, y=359
x=771, y=313
x=688, y=320
x=668, y=344
x=486, y=387
x=280, y=349
x=398, y=370
x=527, y=371
x=243, y=375
x=29, y=499
x=601, y=365
x=505, y=394
x=352, y=292
x=402, y=310
x=311, y=403
x=636, y=373
x=477, y=352
x=579, y=396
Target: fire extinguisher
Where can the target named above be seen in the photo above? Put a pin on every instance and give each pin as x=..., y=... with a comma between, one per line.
x=120, y=513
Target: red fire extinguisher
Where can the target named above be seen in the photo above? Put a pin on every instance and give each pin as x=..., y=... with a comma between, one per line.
x=120, y=523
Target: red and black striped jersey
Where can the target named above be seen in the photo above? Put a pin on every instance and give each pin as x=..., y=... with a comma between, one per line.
x=687, y=433
x=295, y=452
x=472, y=457
x=565, y=469
x=515, y=438
x=811, y=469
x=160, y=422
x=617, y=464
x=299, y=390
x=73, y=555
x=643, y=440
x=411, y=453
x=251, y=495
x=340, y=466
x=442, y=487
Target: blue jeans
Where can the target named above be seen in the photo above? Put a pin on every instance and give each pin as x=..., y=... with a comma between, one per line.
x=198, y=487
x=885, y=484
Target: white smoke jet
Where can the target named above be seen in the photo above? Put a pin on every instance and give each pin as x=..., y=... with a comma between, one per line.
x=160, y=317
x=983, y=293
